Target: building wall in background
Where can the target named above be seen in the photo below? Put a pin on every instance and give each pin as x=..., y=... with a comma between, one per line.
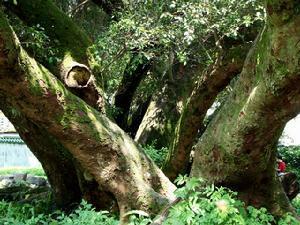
x=15, y=153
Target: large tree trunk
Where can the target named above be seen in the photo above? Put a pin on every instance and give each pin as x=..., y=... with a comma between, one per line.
x=238, y=148
x=101, y=148
x=56, y=162
x=77, y=76
x=210, y=84
x=160, y=120
x=63, y=172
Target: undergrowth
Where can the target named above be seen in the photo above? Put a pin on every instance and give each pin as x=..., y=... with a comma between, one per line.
x=157, y=155
x=198, y=205
x=36, y=171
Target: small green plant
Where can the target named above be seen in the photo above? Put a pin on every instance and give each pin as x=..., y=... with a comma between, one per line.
x=86, y=215
x=296, y=204
x=14, y=214
x=157, y=155
x=138, y=217
x=212, y=205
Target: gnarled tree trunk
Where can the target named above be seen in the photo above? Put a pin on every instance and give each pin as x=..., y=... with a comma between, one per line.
x=102, y=149
x=56, y=162
x=127, y=88
x=238, y=148
x=163, y=112
x=210, y=84
x=70, y=41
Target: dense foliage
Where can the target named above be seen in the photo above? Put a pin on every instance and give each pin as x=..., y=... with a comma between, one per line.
x=291, y=156
x=157, y=155
x=212, y=205
x=12, y=214
x=170, y=32
x=205, y=205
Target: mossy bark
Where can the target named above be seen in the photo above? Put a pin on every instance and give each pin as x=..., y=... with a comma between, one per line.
x=58, y=26
x=238, y=148
x=209, y=85
x=74, y=71
x=63, y=172
x=164, y=110
x=102, y=149
x=56, y=162
x=70, y=41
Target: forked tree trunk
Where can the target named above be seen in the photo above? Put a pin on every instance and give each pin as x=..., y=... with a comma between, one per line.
x=163, y=112
x=238, y=148
x=191, y=121
x=101, y=148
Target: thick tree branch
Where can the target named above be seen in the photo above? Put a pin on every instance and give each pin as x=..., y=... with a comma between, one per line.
x=213, y=81
x=138, y=115
x=56, y=162
x=126, y=90
x=66, y=37
x=160, y=120
x=101, y=148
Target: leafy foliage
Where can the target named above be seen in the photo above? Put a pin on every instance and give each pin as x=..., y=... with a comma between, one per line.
x=157, y=155
x=296, y=204
x=11, y=214
x=291, y=155
x=198, y=205
x=170, y=31
x=24, y=214
x=212, y=205
x=36, y=42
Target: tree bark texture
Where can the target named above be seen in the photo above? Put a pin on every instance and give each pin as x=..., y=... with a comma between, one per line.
x=63, y=172
x=160, y=120
x=126, y=90
x=56, y=162
x=238, y=148
x=211, y=83
x=101, y=148
x=69, y=39
x=137, y=116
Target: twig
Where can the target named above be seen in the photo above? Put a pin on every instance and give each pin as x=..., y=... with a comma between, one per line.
x=71, y=12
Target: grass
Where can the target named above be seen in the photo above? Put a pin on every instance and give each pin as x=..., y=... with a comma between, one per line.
x=36, y=171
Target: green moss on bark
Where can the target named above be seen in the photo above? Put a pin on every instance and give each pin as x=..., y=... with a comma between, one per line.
x=63, y=32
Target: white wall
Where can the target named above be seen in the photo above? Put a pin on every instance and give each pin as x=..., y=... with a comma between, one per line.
x=291, y=133
x=17, y=155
